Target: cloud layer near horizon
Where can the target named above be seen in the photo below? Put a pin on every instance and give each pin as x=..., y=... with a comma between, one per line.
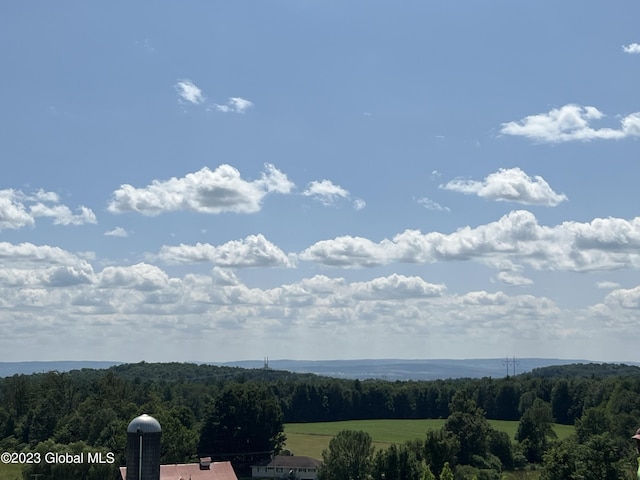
x=53, y=281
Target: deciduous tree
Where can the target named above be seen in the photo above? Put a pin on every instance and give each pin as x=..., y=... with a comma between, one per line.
x=349, y=457
x=468, y=423
x=446, y=473
x=440, y=447
x=534, y=430
x=397, y=463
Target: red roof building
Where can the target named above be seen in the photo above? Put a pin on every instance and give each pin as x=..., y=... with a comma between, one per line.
x=205, y=470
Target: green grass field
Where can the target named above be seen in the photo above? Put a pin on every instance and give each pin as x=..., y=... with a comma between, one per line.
x=10, y=472
x=311, y=439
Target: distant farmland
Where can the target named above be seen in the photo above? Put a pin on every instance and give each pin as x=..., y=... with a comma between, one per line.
x=311, y=439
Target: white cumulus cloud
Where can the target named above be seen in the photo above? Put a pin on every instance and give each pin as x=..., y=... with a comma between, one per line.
x=513, y=279
x=117, y=232
x=571, y=123
x=205, y=191
x=32, y=254
x=328, y=193
x=359, y=204
x=18, y=210
x=253, y=251
x=234, y=105
x=432, y=205
x=325, y=191
x=509, y=185
x=396, y=287
x=633, y=48
x=35, y=268
x=62, y=215
x=515, y=239
x=13, y=213
x=348, y=251
x=625, y=298
x=189, y=92
x=141, y=276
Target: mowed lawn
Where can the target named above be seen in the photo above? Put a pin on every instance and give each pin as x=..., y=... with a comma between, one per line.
x=311, y=439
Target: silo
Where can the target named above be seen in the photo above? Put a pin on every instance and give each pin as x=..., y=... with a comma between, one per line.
x=143, y=448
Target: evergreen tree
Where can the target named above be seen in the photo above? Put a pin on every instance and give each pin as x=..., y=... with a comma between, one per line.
x=561, y=402
x=245, y=425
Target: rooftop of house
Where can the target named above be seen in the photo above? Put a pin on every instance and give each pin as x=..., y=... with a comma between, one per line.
x=205, y=470
x=292, y=461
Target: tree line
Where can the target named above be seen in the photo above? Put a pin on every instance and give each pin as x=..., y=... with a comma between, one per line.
x=91, y=409
x=468, y=448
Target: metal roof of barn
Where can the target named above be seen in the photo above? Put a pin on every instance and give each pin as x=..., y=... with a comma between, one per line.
x=293, y=461
x=193, y=471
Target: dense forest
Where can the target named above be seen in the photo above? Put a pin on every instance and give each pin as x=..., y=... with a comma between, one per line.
x=90, y=409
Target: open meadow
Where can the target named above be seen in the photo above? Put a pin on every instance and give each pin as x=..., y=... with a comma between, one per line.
x=311, y=439
x=10, y=472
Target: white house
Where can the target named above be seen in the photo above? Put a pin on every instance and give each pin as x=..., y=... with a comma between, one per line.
x=288, y=466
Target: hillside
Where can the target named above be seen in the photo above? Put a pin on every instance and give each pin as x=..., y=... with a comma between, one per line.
x=384, y=369
x=589, y=370
x=415, y=369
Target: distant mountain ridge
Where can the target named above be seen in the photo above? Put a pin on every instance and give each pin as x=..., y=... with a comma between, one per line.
x=386, y=369
x=8, y=369
x=418, y=369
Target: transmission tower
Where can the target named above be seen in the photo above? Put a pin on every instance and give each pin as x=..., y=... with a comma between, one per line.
x=510, y=362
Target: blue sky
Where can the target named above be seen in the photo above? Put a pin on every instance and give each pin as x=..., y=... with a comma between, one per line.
x=219, y=181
